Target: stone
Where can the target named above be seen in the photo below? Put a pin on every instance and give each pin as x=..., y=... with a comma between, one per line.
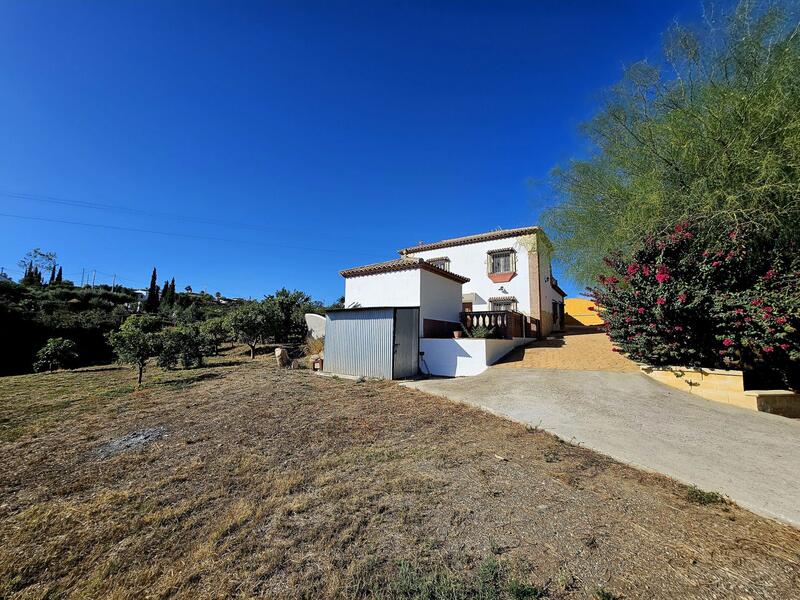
x=282, y=357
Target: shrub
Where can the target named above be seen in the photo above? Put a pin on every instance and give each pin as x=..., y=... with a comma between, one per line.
x=708, y=301
x=57, y=353
x=313, y=345
x=482, y=332
x=185, y=343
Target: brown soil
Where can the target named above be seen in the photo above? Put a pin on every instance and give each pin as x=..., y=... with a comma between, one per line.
x=580, y=348
x=282, y=484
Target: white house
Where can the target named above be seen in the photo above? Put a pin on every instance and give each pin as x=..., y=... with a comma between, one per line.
x=419, y=311
x=508, y=270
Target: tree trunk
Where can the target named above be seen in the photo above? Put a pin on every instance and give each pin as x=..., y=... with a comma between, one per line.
x=139, y=382
x=252, y=352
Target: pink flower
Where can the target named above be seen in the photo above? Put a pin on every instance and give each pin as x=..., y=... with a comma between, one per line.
x=646, y=270
x=705, y=253
x=716, y=263
x=633, y=268
x=785, y=346
x=781, y=320
x=767, y=349
x=640, y=310
x=678, y=328
x=747, y=319
x=727, y=342
x=660, y=300
x=767, y=309
x=681, y=298
x=769, y=275
x=757, y=302
x=739, y=311
x=628, y=319
x=732, y=235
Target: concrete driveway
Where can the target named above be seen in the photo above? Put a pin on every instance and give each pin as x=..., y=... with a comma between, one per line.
x=751, y=457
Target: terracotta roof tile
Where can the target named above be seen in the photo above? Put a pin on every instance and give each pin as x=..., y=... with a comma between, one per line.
x=471, y=239
x=404, y=263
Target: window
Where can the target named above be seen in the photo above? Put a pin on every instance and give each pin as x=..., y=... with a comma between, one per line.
x=502, y=261
x=442, y=262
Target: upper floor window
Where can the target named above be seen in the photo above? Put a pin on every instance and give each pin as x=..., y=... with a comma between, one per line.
x=442, y=262
x=502, y=261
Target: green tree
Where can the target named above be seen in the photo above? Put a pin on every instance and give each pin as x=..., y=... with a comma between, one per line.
x=253, y=323
x=711, y=135
x=52, y=276
x=57, y=353
x=43, y=261
x=59, y=276
x=183, y=342
x=216, y=331
x=165, y=297
x=136, y=341
x=290, y=309
x=151, y=304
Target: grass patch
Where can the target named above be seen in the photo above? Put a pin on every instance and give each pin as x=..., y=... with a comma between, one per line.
x=702, y=497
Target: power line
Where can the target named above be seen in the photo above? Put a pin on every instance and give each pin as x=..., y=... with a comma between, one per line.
x=147, y=213
x=170, y=234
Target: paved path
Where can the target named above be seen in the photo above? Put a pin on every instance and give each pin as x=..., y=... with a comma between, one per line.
x=752, y=457
x=578, y=348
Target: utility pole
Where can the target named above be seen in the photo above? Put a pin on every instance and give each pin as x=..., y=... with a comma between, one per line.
x=82, y=270
x=113, y=282
x=94, y=274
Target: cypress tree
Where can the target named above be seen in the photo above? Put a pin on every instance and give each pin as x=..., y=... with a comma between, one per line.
x=52, y=276
x=166, y=300
x=59, y=276
x=151, y=304
x=173, y=295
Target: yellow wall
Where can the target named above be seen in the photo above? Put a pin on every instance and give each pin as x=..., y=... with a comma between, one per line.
x=578, y=312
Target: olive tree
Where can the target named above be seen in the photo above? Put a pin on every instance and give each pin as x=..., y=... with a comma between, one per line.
x=57, y=353
x=136, y=341
x=253, y=323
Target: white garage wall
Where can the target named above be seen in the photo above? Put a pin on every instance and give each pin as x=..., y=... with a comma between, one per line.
x=440, y=298
x=397, y=288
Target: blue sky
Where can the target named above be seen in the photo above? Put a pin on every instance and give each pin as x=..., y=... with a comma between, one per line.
x=275, y=143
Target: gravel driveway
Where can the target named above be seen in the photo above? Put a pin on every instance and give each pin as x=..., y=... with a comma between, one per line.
x=754, y=458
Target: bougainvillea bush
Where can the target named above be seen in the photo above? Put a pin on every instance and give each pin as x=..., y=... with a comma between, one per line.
x=716, y=301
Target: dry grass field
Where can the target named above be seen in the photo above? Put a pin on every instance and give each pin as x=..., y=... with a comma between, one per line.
x=239, y=480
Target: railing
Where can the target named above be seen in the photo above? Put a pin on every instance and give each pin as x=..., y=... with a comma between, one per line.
x=505, y=324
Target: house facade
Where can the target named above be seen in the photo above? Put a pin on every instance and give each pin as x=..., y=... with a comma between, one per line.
x=449, y=308
x=508, y=270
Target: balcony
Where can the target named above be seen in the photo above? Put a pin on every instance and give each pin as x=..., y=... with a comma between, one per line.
x=506, y=324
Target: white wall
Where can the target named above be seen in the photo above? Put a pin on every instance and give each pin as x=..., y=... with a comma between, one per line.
x=463, y=357
x=437, y=297
x=470, y=261
x=440, y=298
x=397, y=288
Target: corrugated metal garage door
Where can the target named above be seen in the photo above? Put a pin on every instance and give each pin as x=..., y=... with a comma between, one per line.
x=359, y=342
x=406, y=343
